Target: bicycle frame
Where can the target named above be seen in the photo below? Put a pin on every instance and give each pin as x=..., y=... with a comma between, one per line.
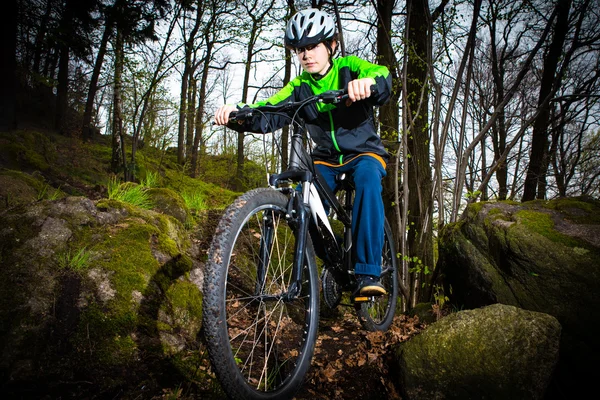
x=309, y=203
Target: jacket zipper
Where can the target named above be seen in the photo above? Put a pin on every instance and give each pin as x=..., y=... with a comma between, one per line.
x=333, y=137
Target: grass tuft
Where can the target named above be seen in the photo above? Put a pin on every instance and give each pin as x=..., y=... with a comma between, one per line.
x=130, y=193
x=194, y=200
x=77, y=261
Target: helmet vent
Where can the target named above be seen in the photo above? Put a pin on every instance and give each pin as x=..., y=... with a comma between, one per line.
x=309, y=27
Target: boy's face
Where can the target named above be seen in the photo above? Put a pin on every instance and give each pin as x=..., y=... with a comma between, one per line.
x=314, y=59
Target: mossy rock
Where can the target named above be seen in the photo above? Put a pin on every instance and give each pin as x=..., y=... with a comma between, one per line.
x=541, y=256
x=28, y=150
x=487, y=353
x=18, y=188
x=125, y=310
x=171, y=203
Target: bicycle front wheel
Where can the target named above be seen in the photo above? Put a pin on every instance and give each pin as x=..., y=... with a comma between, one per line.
x=378, y=313
x=260, y=342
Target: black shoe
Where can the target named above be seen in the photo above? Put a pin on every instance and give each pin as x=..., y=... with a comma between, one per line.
x=369, y=286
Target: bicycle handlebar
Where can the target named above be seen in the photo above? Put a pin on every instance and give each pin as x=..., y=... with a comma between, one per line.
x=328, y=97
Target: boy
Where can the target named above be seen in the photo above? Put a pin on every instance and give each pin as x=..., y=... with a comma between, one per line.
x=345, y=134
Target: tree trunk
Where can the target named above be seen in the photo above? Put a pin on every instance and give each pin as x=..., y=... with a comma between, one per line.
x=201, y=105
x=8, y=67
x=539, y=140
x=239, y=175
x=499, y=129
x=182, y=112
x=118, y=145
x=62, y=90
x=41, y=36
x=187, y=74
x=89, y=104
x=191, y=117
x=64, y=53
x=389, y=113
x=420, y=202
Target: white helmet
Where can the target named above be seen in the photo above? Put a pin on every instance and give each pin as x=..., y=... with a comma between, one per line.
x=307, y=27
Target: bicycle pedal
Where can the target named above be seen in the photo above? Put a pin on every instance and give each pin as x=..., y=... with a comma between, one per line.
x=362, y=299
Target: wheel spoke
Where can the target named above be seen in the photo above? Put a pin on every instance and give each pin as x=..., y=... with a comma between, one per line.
x=265, y=332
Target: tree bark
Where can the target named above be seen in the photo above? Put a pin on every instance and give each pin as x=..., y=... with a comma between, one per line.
x=539, y=141
x=420, y=201
x=187, y=73
x=201, y=106
x=389, y=113
x=89, y=104
x=8, y=67
x=64, y=53
x=62, y=90
x=191, y=117
x=499, y=128
x=41, y=36
x=118, y=145
x=239, y=174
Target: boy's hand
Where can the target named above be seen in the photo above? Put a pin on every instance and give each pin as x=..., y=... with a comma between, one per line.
x=359, y=89
x=222, y=114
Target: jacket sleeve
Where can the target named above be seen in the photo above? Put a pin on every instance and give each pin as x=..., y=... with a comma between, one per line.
x=381, y=75
x=265, y=123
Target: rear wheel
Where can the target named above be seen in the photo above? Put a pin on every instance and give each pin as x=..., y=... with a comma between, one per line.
x=377, y=314
x=260, y=342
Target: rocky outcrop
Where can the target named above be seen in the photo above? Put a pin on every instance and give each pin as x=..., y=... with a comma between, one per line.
x=495, y=352
x=539, y=256
x=95, y=295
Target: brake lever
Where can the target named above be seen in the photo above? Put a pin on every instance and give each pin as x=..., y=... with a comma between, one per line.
x=333, y=96
x=238, y=116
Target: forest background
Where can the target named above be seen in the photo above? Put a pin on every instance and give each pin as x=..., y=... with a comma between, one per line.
x=492, y=100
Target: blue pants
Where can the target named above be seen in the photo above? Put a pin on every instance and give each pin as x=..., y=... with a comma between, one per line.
x=367, y=213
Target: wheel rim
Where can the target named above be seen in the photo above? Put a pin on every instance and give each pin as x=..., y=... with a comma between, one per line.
x=380, y=309
x=266, y=331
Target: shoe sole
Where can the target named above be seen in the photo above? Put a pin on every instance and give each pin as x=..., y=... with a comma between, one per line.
x=372, y=291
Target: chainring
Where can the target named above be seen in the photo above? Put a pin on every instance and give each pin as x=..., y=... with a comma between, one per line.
x=332, y=291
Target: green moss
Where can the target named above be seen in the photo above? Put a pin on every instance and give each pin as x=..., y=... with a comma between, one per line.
x=131, y=260
x=581, y=210
x=215, y=195
x=27, y=149
x=541, y=223
x=25, y=177
x=107, y=204
x=103, y=339
x=184, y=301
x=473, y=209
x=169, y=202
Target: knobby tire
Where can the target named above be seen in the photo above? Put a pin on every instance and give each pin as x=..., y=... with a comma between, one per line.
x=378, y=314
x=259, y=343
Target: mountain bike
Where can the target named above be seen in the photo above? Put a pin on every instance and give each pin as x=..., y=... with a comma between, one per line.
x=261, y=287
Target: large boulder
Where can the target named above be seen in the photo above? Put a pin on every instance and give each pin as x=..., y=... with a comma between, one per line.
x=495, y=352
x=96, y=299
x=540, y=256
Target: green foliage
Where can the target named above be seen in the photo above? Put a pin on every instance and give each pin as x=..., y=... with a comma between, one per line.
x=128, y=192
x=194, y=200
x=76, y=261
x=439, y=296
x=473, y=195
x=48, y=192
x=150, y=180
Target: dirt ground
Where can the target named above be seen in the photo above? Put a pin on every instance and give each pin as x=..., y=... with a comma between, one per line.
x=350, y=362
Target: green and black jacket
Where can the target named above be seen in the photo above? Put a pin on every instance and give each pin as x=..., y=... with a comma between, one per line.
x=341, y=133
